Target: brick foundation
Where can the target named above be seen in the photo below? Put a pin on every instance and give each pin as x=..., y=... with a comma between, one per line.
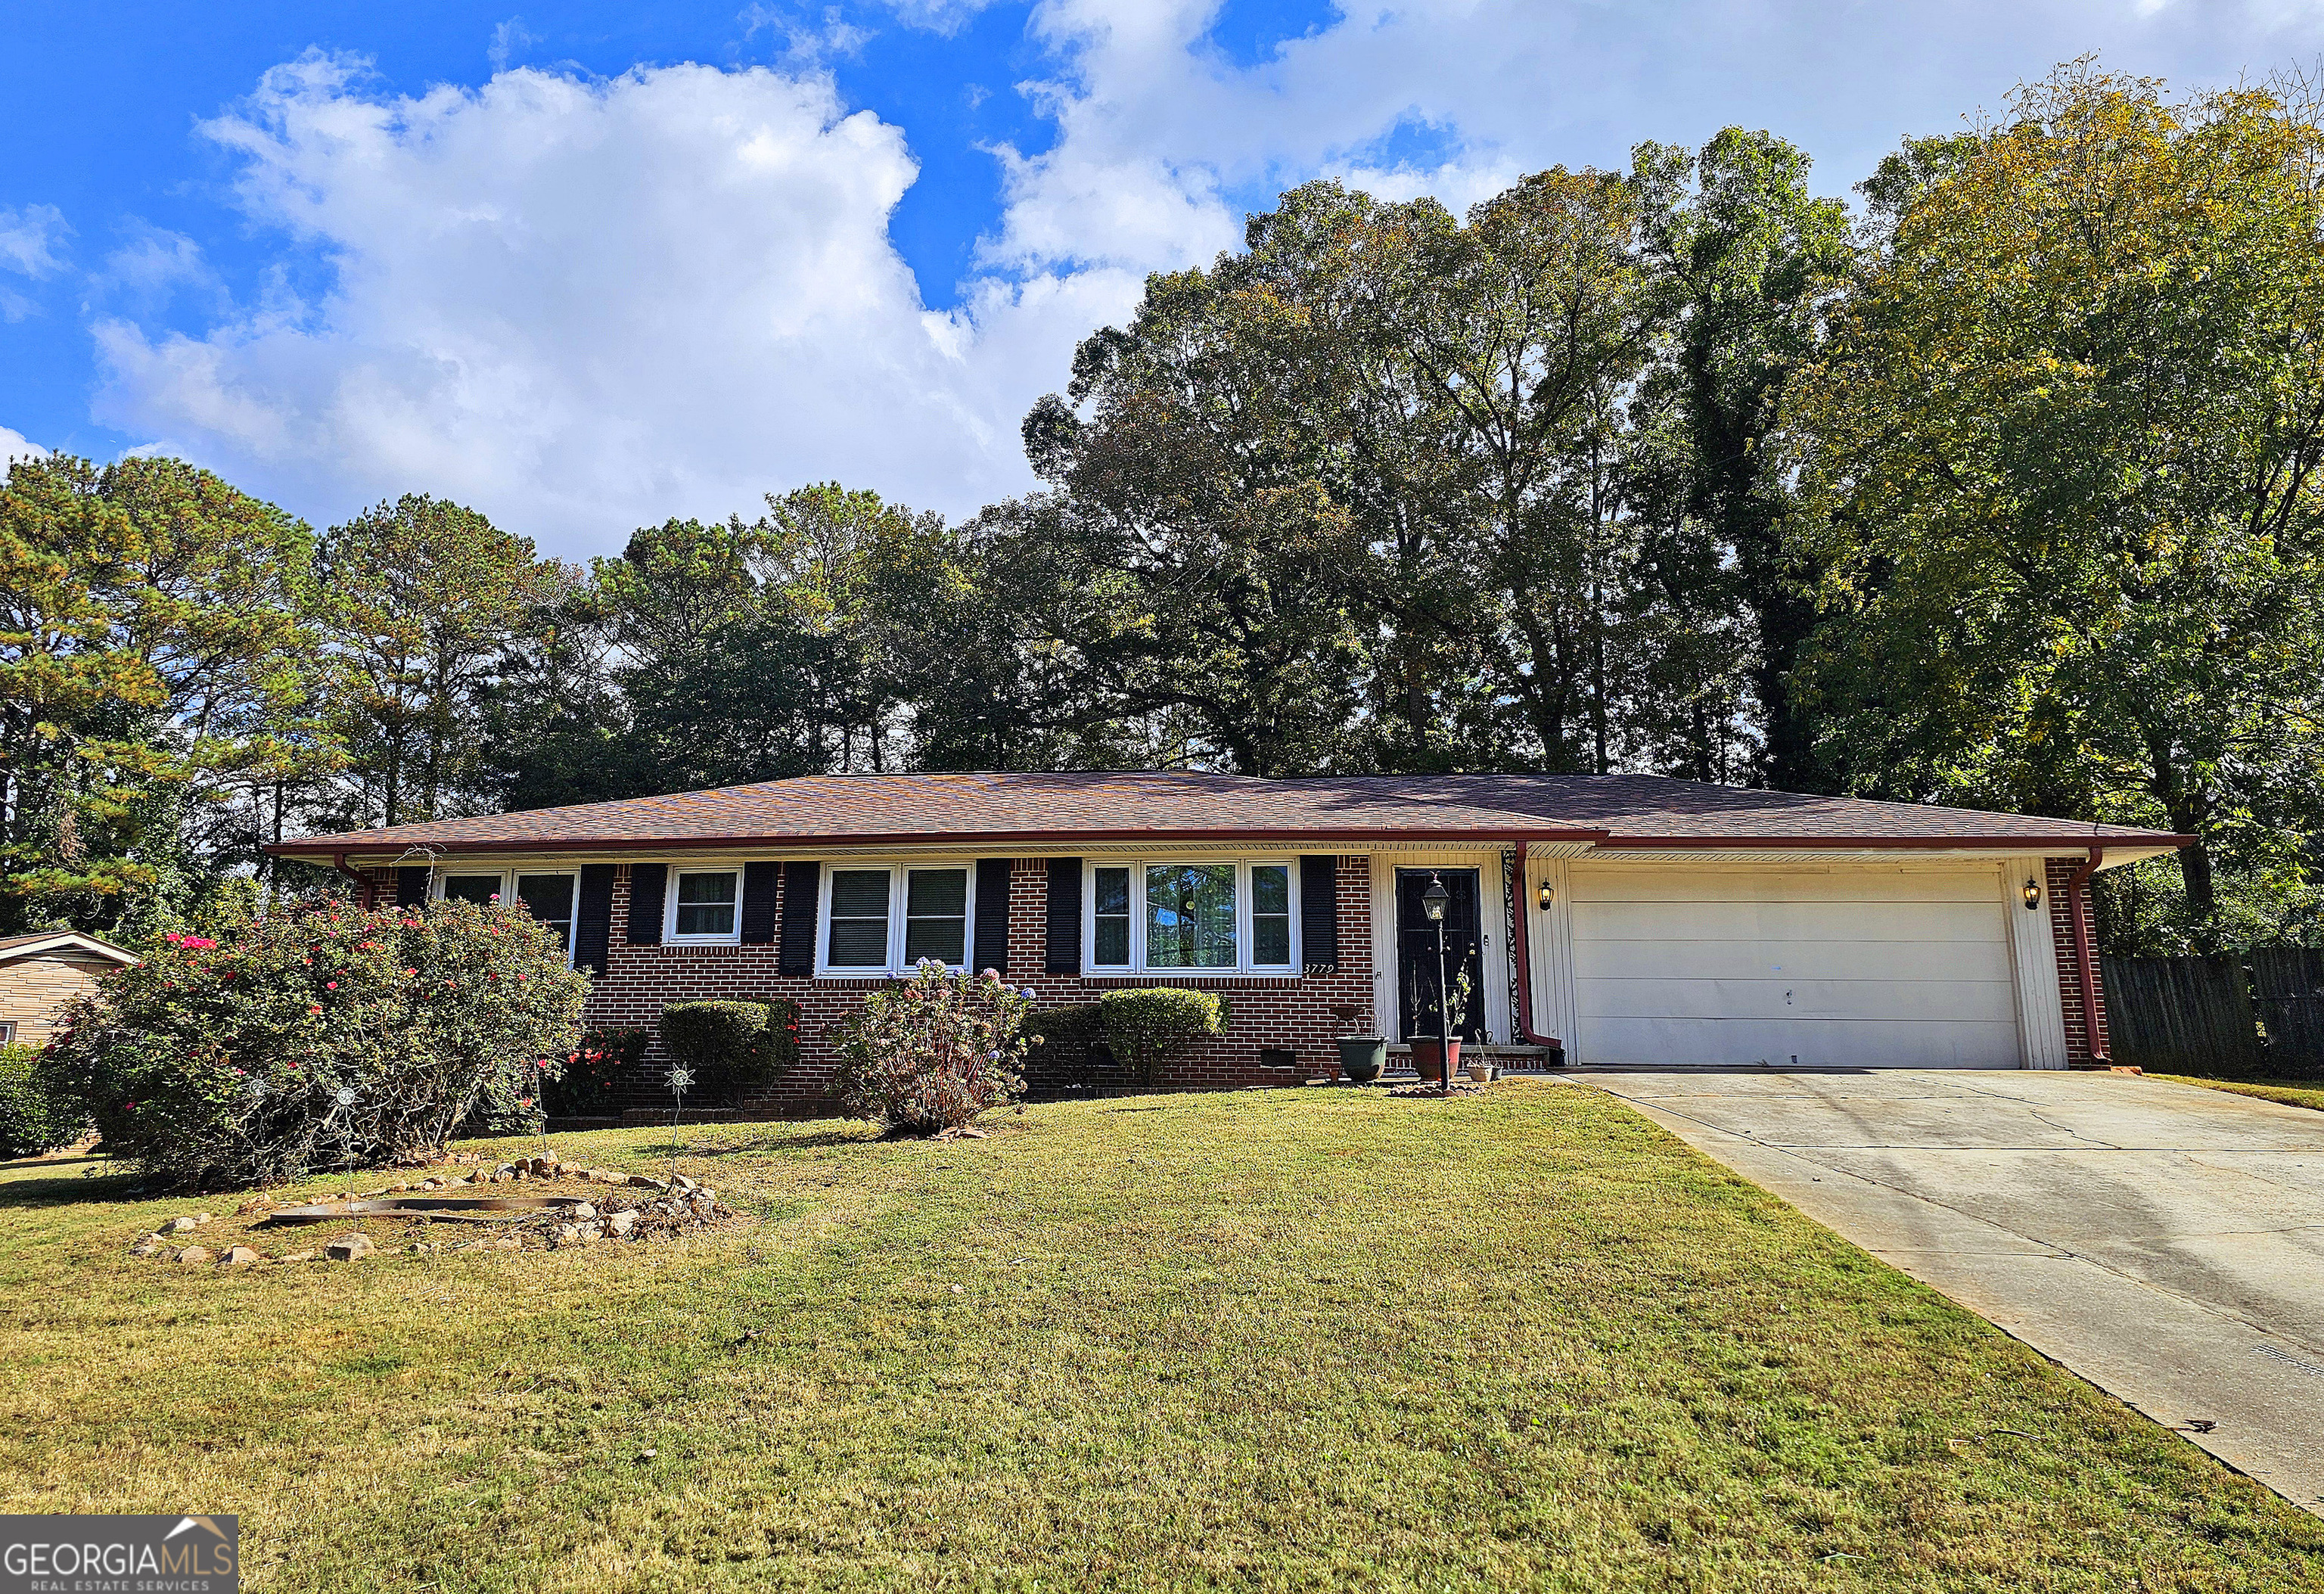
x=2058, y=872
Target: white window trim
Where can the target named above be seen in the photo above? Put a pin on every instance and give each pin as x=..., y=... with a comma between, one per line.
x=898, y=899
x=1243, y=967
x=442, y=877
x=670, y=937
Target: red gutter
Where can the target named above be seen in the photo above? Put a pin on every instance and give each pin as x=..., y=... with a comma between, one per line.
x=1404, y=833
x=2151, y=838
x=2078, y=907
x=1526, y=1031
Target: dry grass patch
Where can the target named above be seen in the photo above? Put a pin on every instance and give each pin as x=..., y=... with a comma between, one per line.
x=2290, y=1094
x=1289, y=1338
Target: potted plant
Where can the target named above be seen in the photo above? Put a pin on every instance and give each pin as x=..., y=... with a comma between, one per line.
x=1428, y=1056
x=1362, y=1056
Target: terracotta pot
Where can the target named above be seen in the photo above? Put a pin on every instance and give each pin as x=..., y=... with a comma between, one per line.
x=1427, y=1058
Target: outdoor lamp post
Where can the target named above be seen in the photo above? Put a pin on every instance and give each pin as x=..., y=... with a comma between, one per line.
x=1432, y=902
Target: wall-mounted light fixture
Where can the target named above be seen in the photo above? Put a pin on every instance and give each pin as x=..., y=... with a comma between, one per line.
x=2032, y=893
x=1548, y=894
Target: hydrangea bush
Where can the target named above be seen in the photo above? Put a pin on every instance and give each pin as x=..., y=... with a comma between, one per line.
x=318, y=1037
x=931, y=1052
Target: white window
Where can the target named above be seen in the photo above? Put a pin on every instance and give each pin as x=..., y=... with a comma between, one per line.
x=886, y=918
x=7, y=1033
x=549, y=895
x=1211, y=918
x=703, y=907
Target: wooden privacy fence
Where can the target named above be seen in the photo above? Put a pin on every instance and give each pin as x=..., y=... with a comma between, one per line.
x=2206, y=1014
x=2288, y=987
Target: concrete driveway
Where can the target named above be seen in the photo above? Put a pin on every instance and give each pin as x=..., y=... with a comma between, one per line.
x=2163, y=1241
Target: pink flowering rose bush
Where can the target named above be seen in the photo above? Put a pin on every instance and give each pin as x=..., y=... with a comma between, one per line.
x=318, y=1037
x=931, y=1052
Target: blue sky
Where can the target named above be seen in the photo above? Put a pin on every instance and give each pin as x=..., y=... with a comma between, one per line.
x=590, y=266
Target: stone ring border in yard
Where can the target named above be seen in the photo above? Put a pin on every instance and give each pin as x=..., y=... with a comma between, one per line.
x=556, y=1221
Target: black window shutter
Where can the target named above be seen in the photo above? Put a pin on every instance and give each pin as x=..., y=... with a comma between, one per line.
x=991, y=915
x=802, y=883
x=1319, y=912
x=647, y=881
x=758, y=904
x=410, y=888
x=1064, y=949
x=593, y=919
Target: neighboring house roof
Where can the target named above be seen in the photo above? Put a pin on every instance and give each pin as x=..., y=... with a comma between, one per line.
x=12, y=947
x=1073, y=808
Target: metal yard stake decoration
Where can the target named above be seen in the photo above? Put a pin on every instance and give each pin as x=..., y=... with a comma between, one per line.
x=679, y=1078
x=345, y=1098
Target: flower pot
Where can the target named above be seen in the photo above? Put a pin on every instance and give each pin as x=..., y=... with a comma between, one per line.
x=1427, y=1057
x=1362, y=1056
x=1481, y=1073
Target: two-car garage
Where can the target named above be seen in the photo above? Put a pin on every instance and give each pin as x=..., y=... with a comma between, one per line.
x=1847, y=966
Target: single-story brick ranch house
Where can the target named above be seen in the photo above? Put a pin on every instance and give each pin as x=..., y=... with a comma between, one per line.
x=1604, y=920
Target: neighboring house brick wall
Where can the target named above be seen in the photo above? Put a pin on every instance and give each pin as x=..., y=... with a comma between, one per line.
x=34, y=989
x=2060, y=871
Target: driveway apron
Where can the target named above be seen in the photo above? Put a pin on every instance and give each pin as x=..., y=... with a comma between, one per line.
x=2163, y=1241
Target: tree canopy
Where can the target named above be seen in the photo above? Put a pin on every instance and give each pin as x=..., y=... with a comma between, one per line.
x=1998, y=486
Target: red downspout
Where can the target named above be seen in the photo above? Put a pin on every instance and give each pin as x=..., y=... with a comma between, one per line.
x=2078, y=906
x=1524, y=964
x=362, y=882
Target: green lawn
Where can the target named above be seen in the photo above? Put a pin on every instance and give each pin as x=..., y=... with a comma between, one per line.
x=2291, y=1093
x=1290, y=1338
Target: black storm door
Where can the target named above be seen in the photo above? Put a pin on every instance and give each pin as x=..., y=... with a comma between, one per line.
x=1416, y=996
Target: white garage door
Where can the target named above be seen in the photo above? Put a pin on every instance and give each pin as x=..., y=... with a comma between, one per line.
x=1732, y=968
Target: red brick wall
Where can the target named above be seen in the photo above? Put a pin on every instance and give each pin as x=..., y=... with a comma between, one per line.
x=1289, y=1012
x=2060, y=871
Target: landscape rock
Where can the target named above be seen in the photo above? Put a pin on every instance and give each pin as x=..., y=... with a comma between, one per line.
x=296, y=1257
x=543, y=1166
x=583, y=1211
x=240, y=1255
x=148, y=1245
x=182, y=1225
x=349, y=1247
x=608, y=1176
x=646, y=1182
x=620, y=1224
x=192, y=1256
x=571, y=1234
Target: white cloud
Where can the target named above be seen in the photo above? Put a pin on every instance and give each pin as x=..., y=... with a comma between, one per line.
x=30, y=239
x=585, y=306
x=155, y=263
x=15, y=445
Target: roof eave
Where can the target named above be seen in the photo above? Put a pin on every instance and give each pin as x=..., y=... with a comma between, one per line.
x=327, y=849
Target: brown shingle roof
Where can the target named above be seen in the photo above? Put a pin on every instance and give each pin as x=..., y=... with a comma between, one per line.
x=1644, y=810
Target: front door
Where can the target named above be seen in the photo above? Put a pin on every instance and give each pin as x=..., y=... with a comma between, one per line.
x=1417, y=983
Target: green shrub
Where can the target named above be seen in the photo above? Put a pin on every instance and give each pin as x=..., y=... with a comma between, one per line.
x=932, y=1052
x=1074, y=1026
x=318, y=1037
x=32, y=1119
x=729, y=1048
x=595, y=1070
x=1149, y=1030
